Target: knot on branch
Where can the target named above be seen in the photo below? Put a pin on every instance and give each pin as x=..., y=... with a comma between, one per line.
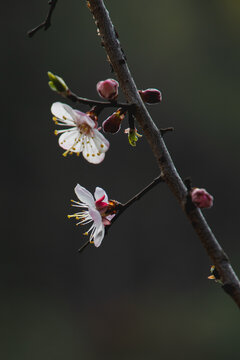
x=189, y=205
x=229, y=288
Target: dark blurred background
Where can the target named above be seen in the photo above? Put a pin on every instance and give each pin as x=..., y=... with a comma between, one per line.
x=144, y=293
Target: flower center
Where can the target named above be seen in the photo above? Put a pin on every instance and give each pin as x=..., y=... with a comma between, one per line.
x=101, y=206
x=84, y=129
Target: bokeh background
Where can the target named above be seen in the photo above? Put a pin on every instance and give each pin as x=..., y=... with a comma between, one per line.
x=144, y=293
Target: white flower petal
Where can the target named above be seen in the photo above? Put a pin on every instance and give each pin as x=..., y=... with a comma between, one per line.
x=85, y=196
x=91, y=152
x=78, y=147
x=99, y=192
x=63, y=112
x=68, y=139
x=100, y=141
x=95, y=215
x=99, y=231
x=99, y=235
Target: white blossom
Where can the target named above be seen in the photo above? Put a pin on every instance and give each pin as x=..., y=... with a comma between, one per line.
x=80, y=134
x=92, y=211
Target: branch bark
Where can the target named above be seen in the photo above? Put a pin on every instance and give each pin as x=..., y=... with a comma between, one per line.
x=111, y=43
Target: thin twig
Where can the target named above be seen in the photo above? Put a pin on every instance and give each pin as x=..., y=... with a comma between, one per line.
x=163, y=131
x=131, y=121
x=100, y=104
x=122, y=207
x=47, y=22
x=137, y=197
x=114, y=52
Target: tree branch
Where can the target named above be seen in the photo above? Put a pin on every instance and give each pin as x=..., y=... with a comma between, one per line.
x=122, y=207
x=170, y=175
x=47, y=22
x=101, y=104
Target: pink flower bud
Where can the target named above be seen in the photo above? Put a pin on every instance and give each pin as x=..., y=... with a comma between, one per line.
x=201, y=198
x=108, y=89
x=113, y=123
x=151, y=96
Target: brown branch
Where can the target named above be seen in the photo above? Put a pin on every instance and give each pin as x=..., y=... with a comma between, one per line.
x=122, y=207
x=163, y=131
x=118, y=61
x=100, y=104
x=47, y=22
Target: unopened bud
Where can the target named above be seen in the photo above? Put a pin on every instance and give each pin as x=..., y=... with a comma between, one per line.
x=201, y=198
x=151, y=96
x=113, y=123
x=56, y=83
x=108, y=89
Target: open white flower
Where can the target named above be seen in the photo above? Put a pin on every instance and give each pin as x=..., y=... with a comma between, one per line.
x=94, y=210
x=81, y=134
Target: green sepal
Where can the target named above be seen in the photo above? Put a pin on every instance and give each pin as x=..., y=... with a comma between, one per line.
x=133, y=137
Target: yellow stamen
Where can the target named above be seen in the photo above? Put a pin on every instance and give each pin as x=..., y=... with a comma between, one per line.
x=86, y=233
x=55, y=132
x=73, y=215
x=54, y=118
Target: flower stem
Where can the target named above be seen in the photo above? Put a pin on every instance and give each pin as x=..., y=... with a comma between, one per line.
x=99, y=104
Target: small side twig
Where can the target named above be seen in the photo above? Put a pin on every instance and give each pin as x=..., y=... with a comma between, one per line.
x=163, y=131
x=122, y=207
x=47, y=22
x=100, y=104
x=137, y=197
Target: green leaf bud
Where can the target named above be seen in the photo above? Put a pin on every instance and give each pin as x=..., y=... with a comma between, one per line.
x=56, y=83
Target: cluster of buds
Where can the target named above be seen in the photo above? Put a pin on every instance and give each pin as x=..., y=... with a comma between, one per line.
x=80, y=134
x=108, y=90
